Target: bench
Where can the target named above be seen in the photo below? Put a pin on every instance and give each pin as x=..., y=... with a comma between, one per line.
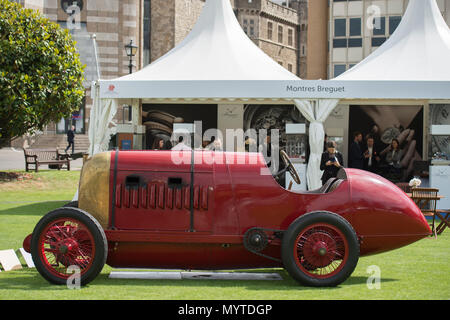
x=39, y=157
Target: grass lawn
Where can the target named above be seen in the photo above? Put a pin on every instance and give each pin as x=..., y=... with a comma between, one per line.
x=418, y=271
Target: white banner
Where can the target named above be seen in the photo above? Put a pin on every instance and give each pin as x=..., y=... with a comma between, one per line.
x=278, y=89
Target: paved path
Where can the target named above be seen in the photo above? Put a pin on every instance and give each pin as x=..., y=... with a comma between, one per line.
x=13, y=159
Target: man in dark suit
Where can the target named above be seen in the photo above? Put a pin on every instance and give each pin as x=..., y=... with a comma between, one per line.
x=70, y=139
x=355, y=157
x=371, y=157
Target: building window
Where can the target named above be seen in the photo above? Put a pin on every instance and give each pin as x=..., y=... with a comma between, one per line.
x=289, y=67
x=339, y=69
x=355, y=42
x=280, y=63
x=376, y=42
x=252, y=30
x=269, y=30
x=85, y=49
x=339, y=43
x=147, y=13
x=350, y=38
x=340, y=27
x=77, y=119
x=393, y=23
x=290, y=37
x=379, y=26
x=245, y=29
x=65, y=4
x=355, y=27
x=280, y=34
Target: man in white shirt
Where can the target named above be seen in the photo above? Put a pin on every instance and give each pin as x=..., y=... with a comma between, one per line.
x=371, y=158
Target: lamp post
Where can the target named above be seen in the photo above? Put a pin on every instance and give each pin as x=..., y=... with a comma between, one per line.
x=131, y=50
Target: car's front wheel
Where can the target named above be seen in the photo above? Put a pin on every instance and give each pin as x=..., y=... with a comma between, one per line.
x=71, y=204
x=66, y=240
x=320, y=249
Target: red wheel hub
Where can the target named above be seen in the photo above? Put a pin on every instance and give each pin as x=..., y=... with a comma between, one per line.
x=321, y=250
x=67, y=246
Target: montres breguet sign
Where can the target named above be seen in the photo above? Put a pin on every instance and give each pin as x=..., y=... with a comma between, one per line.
x=317, y=88
x=274, y=89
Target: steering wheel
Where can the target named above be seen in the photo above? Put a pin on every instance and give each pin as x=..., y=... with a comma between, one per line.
x=289, y=167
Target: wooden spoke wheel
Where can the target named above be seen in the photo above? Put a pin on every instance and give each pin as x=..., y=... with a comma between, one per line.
x=290, y=167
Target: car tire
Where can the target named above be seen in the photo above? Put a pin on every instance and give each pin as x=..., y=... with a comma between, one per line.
x=72, y=204
x=68, y=237
x=320, y=249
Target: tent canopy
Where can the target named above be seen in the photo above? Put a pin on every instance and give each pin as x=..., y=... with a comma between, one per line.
x=216, y=49
x=217, y=61
x=418, y=50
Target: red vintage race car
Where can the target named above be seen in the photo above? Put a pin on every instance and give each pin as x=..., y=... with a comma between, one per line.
x=217, y=210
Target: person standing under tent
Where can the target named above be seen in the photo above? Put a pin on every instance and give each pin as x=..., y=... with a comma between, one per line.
x=356, y=158
x=330, y=162
x=394, y=155
x=371, y=157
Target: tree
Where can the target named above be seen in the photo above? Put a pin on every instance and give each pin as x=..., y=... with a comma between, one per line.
x=41, y=75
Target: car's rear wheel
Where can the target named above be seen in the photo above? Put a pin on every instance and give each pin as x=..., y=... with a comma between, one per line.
x=66, y=238
x=320, y=249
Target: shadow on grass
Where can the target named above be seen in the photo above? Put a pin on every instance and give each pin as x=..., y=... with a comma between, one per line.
x=287, y=284
x=32, y=209
x=32, y=280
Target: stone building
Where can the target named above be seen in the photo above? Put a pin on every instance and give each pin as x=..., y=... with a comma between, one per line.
x=337, y=34
x=171, y=21
x=114, y=23
x=273, y=28
x=155, y=26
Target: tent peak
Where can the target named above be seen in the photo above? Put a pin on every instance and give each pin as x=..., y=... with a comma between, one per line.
x=216, y=49
x=417, y=50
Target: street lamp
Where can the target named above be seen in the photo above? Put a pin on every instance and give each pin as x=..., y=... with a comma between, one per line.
x=131, y=51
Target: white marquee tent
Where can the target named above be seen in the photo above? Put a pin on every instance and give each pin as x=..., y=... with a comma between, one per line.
x=216, y=51
x=218, y=62
x=419, y=49
x=417, y=52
